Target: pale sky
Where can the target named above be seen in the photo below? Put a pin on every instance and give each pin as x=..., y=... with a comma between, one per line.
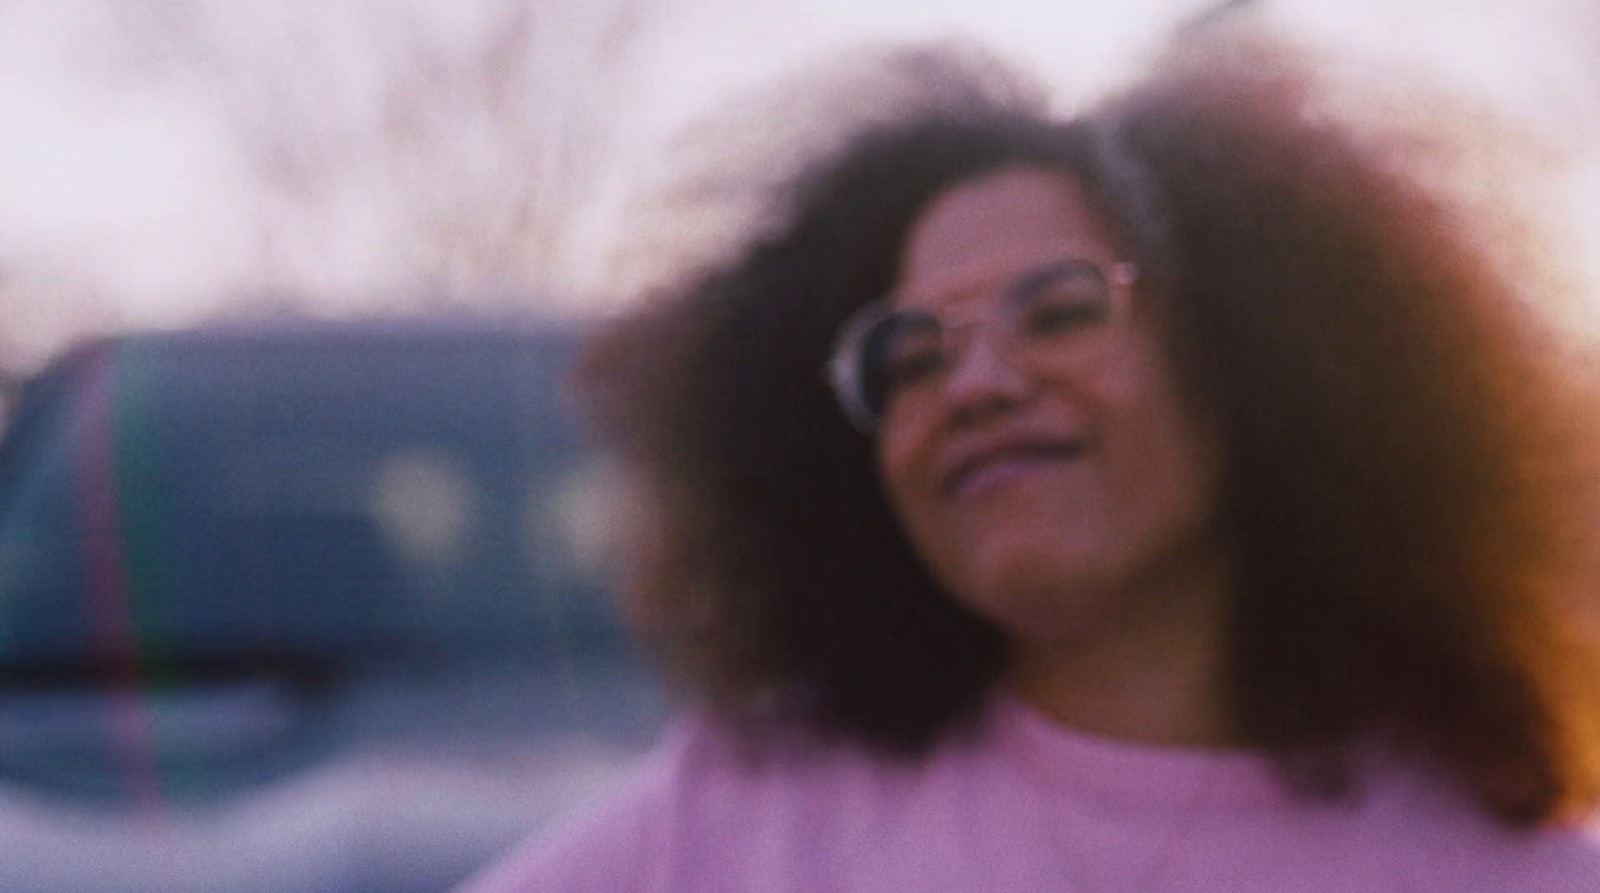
x=131, y=191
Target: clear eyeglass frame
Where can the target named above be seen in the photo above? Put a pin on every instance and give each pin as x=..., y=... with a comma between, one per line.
x=844, y=369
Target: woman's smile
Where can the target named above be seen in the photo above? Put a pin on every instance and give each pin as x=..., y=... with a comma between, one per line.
x=993, y=462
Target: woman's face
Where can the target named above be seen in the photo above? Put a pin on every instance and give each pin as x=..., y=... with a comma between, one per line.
x=1049, y=475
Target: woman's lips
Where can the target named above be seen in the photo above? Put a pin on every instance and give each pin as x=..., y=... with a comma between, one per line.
x=1006, y=464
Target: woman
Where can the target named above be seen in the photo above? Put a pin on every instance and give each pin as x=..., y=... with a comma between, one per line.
x=1189, y=502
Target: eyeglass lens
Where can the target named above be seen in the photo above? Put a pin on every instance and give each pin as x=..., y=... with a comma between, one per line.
x=1040, y=315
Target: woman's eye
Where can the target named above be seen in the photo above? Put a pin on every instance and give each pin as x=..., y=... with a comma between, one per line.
x=911, y=356
x=1059, y=300
x=1062, y=314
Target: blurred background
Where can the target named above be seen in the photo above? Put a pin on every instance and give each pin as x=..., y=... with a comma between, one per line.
x=303, y=567
x=168, y=161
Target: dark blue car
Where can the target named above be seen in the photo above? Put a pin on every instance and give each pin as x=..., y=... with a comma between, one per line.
x=309, y=607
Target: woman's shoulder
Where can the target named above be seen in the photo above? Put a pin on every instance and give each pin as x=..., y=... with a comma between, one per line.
x=716, y=799
x=1454, y=843
x=607, y=847
x=1480, y=853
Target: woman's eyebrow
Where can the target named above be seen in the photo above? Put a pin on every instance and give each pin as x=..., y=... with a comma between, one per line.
x=1040, y=275
x=977, y=275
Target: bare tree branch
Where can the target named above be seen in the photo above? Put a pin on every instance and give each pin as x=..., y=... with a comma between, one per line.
x=447, y=149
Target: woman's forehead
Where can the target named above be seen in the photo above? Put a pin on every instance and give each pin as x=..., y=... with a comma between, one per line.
x=993, y=224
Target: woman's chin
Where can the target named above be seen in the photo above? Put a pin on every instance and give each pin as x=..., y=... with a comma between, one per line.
x=1037, y=590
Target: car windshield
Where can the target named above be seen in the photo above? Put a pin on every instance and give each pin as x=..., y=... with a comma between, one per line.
x=356, y=492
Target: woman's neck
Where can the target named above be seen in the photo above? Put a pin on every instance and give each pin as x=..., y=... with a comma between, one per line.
x=1157, y=678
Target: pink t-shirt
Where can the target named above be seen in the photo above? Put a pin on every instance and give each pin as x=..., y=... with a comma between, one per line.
x=1027, y=805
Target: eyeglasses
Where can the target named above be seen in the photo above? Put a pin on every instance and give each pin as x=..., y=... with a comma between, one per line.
x=1053, y=319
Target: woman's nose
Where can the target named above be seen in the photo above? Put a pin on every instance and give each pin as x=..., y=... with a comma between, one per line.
x=984, y=378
